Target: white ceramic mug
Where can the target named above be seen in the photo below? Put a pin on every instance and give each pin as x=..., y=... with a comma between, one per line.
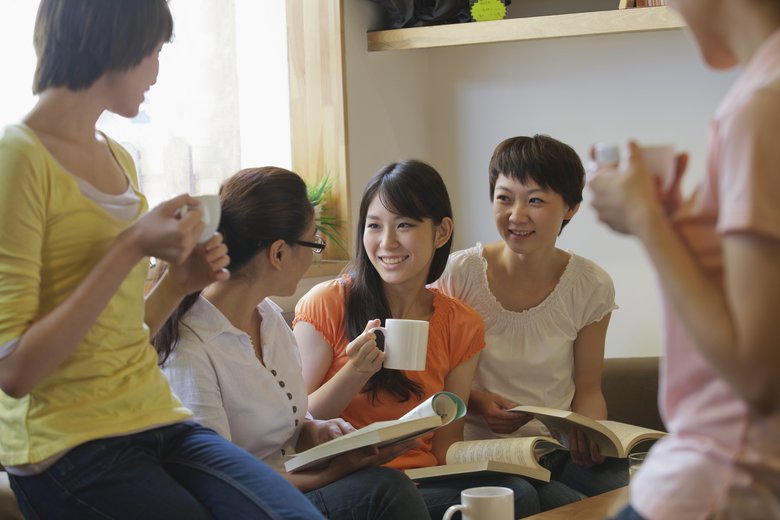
x=211, y=212
x=405, y=343
x=661, y=159
x=485, y=503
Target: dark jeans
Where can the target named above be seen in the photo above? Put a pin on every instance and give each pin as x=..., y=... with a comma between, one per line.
x=628, y=513
x=443, y=493
x=373, y=493
x=180, y=471
x=595, y=480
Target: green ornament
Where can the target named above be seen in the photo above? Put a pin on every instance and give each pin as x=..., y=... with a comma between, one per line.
x=484, y=10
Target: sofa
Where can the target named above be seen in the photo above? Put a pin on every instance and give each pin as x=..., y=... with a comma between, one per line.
x=8, y=507
x=630, y=387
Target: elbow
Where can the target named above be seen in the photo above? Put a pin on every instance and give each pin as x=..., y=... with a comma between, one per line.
x=14, y=387
x=14, y=382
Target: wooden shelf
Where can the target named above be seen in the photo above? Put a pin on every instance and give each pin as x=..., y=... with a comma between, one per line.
x=535, y=28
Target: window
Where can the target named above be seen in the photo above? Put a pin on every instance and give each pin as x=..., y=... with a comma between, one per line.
x=228, y=63
x=18, y=57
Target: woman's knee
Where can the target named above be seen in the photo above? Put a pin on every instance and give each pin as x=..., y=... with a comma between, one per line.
x=526, y=497
x=387, y=479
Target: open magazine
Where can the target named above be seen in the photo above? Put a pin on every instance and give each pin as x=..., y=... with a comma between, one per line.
x=439, y=410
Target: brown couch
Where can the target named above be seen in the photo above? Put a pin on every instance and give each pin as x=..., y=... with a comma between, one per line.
x=8, y=508
x=630, y=387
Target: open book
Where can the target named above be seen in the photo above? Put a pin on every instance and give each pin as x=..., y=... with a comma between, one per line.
x=615, y=439
x=512, y=455
x=440, y=409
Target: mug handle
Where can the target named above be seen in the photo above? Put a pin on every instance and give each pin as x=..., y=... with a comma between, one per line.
x=384, y=335
x=452, y=510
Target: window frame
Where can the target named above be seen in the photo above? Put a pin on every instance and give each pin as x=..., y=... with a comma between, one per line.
x=318, y=110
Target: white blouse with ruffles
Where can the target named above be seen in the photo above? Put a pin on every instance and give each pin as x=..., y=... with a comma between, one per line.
x=529, y=357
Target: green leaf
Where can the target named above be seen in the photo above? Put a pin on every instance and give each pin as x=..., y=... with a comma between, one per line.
x=328, y=226
x=320, y=190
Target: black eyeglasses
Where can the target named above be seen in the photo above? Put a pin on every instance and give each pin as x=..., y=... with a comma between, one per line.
x=317, y=246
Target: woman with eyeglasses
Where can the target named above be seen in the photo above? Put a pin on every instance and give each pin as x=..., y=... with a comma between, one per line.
x=233, y=360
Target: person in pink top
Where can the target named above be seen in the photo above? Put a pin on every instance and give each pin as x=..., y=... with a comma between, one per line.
x=717, y=255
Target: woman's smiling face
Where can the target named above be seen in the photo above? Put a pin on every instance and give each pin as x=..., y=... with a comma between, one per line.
x=400, y=248
x=527, y=216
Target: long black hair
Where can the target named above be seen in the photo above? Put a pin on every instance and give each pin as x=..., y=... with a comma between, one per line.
x=259, y=206
x=415, y=190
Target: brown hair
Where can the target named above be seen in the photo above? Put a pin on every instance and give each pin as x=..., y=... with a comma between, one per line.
x=259, y=206
x=77, y=41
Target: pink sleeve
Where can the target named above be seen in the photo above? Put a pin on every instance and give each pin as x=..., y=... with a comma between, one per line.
x=748, y=158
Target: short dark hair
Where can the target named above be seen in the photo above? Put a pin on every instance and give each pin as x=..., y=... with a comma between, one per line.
x=548, y=162
x=77, y=41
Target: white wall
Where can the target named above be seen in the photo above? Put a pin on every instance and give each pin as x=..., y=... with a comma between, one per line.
x=649, y=86
x=451, y=106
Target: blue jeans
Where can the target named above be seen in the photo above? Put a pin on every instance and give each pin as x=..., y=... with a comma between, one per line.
x=373, y=493
x=595, y=480
x=554, y=494
x=180, y=471
x=445, y=492
x=628, y=513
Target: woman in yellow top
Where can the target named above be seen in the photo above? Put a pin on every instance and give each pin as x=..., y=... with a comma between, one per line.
x=89, y=427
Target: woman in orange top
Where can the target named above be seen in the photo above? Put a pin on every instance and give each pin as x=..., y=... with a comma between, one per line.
x=403, y=241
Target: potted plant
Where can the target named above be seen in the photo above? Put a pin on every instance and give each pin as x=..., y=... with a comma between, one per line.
x=328, y=226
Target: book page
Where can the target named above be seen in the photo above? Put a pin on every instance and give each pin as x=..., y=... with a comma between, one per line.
x=476, y=469
x=518, y=450
x=361, y=431
x=446, y=405
x=561, y=422
x=628, y=434
x=378, y=434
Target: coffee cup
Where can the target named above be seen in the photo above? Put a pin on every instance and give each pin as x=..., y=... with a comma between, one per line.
x=211, y=212
x=606, y=153
x=484, y=503
x=660, y=159
x=405, y=343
